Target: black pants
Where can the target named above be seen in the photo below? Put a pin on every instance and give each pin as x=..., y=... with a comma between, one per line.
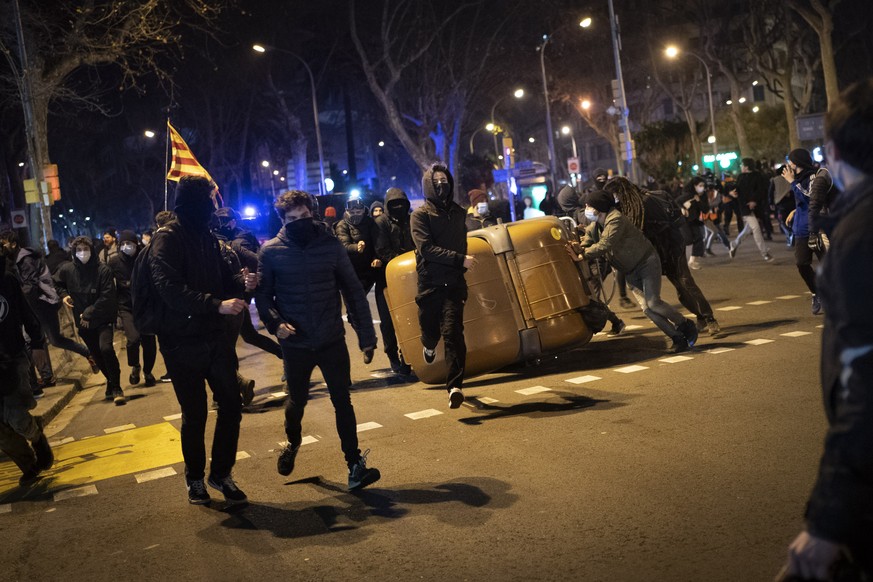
x=386, y=324
x=135, y=340
x=250, y=335
x=191, y=362
x=698, y=247
x=690, y=296
x=99, y=342
x=441, y=314
x=47, y=315
x=333, y=360
x=803, y=258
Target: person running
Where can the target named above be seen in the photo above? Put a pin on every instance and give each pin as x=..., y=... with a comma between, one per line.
x=750, y=192
x=440, y=236
x=193, y=291
x=121, y=265
x=303, y=272
x=21, y=435
x=89, y=289
x=614, y=236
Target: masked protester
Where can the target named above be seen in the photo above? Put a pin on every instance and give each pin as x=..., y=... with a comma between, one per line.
x=197, y=290
x=89, y=289
x=479, y=215
x=440, y=235
x=303, y=273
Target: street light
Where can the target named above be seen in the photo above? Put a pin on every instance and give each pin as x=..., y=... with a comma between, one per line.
x=585, y=104
x=518, y=94
x=672, y=52
x=149, y=133
x=265, y=164
x=567, y=131
x=259, y=48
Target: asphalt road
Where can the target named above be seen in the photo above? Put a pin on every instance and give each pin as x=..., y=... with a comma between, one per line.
x=615, y=463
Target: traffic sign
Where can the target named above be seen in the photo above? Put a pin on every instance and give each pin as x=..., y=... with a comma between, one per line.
x=19, y=218
x=573, y=165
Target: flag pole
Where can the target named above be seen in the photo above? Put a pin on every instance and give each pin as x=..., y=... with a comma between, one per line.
x=166, y=161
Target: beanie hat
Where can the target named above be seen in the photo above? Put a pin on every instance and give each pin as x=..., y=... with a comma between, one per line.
x=600, y=172
x=600, y=201
x=330, y=212
x=376, y=204
x=127, y=236
x=477, y=196
x=801, y=158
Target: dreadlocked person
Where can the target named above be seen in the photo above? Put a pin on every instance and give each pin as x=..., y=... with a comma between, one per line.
x=647, y=212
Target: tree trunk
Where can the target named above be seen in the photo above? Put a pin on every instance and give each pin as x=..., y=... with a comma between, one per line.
x=788, y=103
x=695, y=139
x=740, y=129
x=828, y=64
x=40, y=215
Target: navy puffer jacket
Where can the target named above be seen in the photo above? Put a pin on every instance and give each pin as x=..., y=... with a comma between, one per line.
x=301, y=286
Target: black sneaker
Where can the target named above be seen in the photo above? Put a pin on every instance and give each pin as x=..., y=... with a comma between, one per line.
x=109, y=394
x=134, y=375
x=617, y=328
x=149, y=380
x=285, y=464
x=680, y=344
x=816, y=305
x=44, y=456
x=456, y=397
x=233, y=495
x=429, y=355
x=197, y=493
x=118, y=397
x=29, y=476
x=398, y=366
x=689, y=329
x=247, y=389
x=166, y=378
x=38, y=392
x=94, y=367
x=368, y=355
x=360, y=476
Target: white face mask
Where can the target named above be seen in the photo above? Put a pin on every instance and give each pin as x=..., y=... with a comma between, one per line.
x=591, y=215
x=482, y=208
x=699, y=188
x=128, y=248
x=83, y=256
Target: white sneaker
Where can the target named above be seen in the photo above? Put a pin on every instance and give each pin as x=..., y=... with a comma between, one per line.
x=694, y=263
x=456, y=398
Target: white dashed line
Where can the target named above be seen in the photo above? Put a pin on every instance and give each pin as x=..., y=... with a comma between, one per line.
x=789, y=297
x=307, y=440
x=77, y=492
x=759, y=342
x=151, y=547
x=486, y=400
x=632, y=327
x=156, y=474
x=819, y=327
x=675, y=359
x=630, y=369
x=758, y=302
x=582, y=379
x=277, y=394
x=719, y=350
x=423, y=414
x=173, y=417
x=51, y=509
x=63, y=441
x=729, y=308
x=533, y=390
x=368, y=426
x=796, y=333
x=240, y=455
x=119, y=428
x=6, y=508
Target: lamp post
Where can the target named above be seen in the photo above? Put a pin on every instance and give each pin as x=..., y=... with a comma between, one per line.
x=259, y=48
x=567, y=131
x=518, y=94
x=624, y=125
x=673, y=52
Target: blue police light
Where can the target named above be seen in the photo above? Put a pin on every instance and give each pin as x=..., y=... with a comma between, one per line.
x=249, y=212
x=817, y=155
x=329, y=185
x=354, y=194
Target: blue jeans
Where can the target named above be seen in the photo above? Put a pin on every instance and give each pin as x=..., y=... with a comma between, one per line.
x=645, y=281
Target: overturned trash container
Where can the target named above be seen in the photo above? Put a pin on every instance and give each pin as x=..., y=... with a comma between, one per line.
x=525, y=298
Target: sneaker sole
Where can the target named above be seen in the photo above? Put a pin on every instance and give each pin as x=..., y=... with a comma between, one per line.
x=226, y=500
x=199, y=501
x=375, y=475
x=456, y=400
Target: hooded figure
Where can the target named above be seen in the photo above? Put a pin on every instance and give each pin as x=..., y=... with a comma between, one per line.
x=440, y=236
x=376, y=209
x=357, y=232
x=571, y=203
x=394, y=236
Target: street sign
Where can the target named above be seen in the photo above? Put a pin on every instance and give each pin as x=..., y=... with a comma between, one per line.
x=810, y=127
x=573, y=165
x=19, y=218
x=500, y=175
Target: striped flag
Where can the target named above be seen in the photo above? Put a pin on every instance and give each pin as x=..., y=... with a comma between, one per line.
x=184, y=163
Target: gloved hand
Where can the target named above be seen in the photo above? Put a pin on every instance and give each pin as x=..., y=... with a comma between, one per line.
x=815, y=243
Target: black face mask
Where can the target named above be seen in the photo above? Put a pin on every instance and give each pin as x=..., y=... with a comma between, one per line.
x=302, y=231
x=356, y=217
x=397, y=212
x=443, y=191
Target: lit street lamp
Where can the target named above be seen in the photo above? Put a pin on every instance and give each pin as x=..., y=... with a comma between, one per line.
x=567, y=131
x=258, y=48
x=673, y=52
x=518, y=94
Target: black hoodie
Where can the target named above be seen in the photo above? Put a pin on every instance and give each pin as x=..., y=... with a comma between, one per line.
x=439, y=232
x=394, y=236
x=92, y=288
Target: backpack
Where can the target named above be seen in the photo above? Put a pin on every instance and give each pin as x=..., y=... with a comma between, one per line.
x=675, y=219
x=148, y=307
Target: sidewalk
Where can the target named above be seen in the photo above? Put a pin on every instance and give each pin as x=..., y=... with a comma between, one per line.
x=71, y=371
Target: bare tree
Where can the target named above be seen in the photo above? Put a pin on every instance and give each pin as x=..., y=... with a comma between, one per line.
x=683, y=88
x=819, y=14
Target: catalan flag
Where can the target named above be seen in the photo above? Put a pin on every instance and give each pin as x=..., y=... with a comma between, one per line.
x=184, y=163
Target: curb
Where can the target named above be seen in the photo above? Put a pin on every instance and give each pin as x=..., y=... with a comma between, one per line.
x=47, y=408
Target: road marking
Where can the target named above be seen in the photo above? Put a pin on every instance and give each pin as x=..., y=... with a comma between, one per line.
x=51, y=509
x=533, y=390
x=675, y=359
x=151, y=547
x=119, y=428
x=630, y=369
x=240, y=455
x=759, y=342
x=819, y=327
x=368, y=426
x=719, y=350
x=729, y=308
x=423, y=414
x=758, y=302
x=308, y=440
x=6, y=508
x=278, y=394
x=77, y=492
x=173, y=417
x=156, y=474
x=789, y=297
x=486, y=400
x=796, y=333
x=583, y=379
x=63, y=441
x=632, y=327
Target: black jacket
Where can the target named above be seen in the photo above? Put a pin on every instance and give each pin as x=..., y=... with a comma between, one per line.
x=302, y=285
x=14, y=313
x=122, y=267
x=394, y=236
x=841, y=506
x=821, y=195
x=56, y=258
x=35, y=277
x=474, y=222
x=243, y=243
x=350, y=235
x=440, y=234
x=92, y=288
x=192, y=280
x=751, y=187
